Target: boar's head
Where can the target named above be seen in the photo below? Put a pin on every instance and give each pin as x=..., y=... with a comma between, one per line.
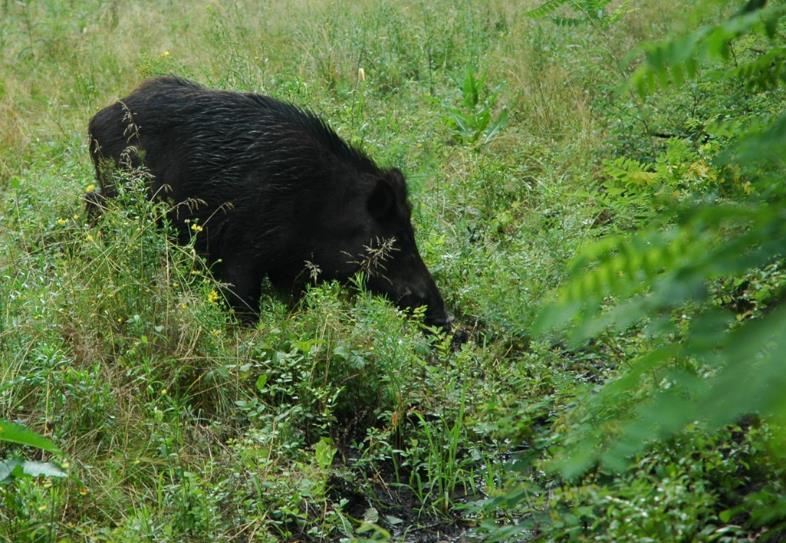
x=369, y=229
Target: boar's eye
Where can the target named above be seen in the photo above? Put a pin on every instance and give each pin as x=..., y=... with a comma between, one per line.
x=382, y=201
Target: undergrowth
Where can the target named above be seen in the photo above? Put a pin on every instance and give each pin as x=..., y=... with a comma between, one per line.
x=336, y=417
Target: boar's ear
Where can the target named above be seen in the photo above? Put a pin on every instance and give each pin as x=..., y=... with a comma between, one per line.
x=382, y=201
x=397, y=181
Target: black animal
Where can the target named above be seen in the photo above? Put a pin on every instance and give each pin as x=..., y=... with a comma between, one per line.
x=275, y=191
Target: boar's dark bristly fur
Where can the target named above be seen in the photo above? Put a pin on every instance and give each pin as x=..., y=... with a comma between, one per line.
x=273, y=188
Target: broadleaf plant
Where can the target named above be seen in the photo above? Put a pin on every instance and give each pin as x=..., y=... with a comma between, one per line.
x=13, y=467
x=475, y=121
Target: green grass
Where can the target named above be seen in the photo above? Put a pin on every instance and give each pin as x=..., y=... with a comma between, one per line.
x=336, y=416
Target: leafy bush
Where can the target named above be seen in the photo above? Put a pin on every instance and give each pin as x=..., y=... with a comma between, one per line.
x=705, y=363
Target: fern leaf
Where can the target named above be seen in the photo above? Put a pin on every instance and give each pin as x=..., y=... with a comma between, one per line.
x=752, y=377
x=567, y=21
x=546, y=9
x=765, y=73
x=768, y=145
x=668, y=63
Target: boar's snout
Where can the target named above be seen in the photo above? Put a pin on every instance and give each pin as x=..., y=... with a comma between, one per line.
x=421, y=290
x=408, y=284
x=431, y=299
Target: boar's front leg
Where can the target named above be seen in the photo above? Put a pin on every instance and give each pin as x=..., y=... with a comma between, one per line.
x=244, y=287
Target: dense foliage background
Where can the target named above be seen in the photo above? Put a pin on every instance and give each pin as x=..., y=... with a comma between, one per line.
x=597, y=191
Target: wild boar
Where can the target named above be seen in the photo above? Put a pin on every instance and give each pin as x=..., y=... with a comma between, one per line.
x=273, y=190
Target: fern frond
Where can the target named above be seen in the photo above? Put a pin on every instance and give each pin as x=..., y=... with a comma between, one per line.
x=664, y=268
x=751, y=377
x=766, y=72
x=767, y=145
x=546, y=8
x=567, y=21
x=589, y=9
x=671, y=62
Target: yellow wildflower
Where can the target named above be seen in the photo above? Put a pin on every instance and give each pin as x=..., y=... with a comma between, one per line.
x=165, y=54
x=89, y=237
x=90, y=188
x=196, y=228
x=61, y=221
x=84, y=491
x=212, y=296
